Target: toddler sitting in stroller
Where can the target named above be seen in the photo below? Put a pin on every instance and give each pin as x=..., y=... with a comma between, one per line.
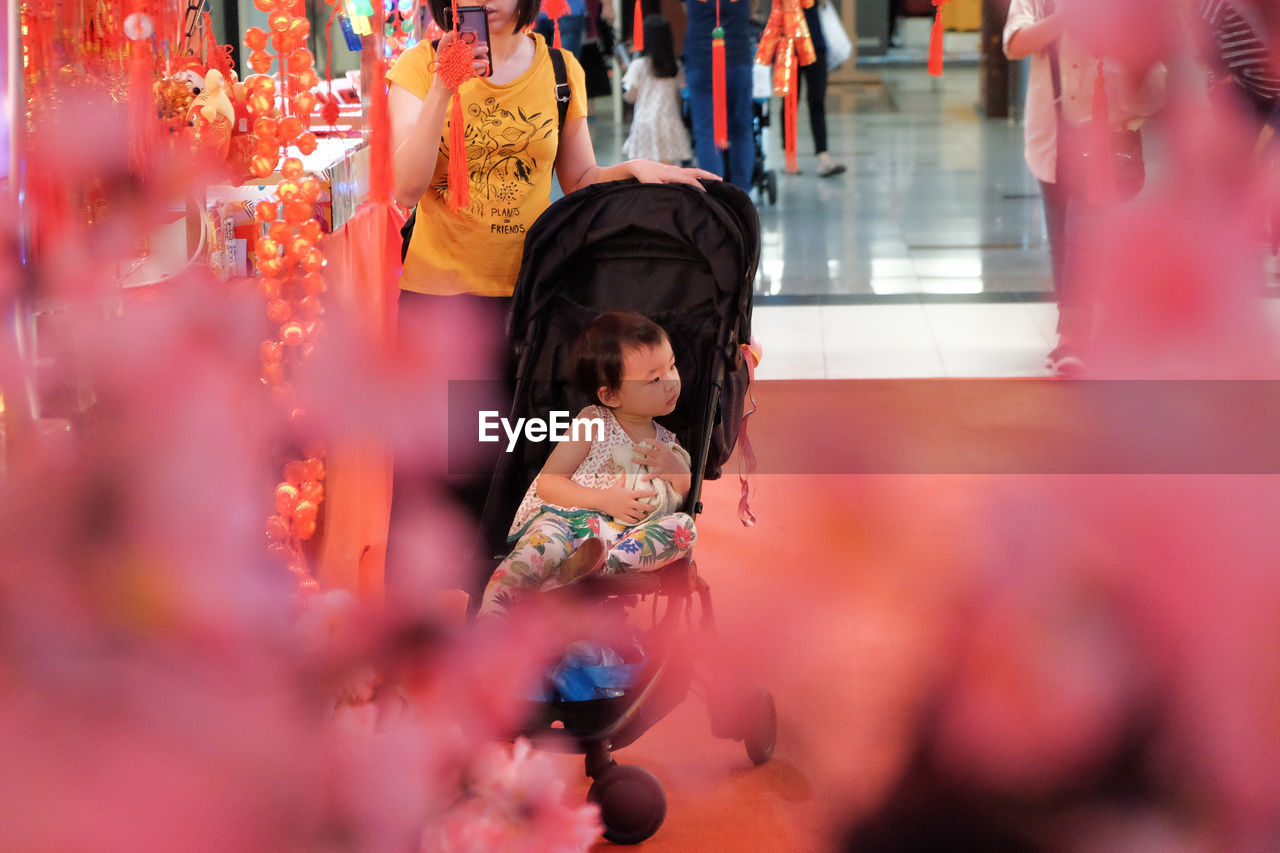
x=606, y=502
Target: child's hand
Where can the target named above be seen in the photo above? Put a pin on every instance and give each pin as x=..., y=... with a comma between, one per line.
x=659, y=458
x=625, y=505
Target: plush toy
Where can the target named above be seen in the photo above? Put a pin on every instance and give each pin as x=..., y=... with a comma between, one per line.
x=212, y=117
x=666, y=500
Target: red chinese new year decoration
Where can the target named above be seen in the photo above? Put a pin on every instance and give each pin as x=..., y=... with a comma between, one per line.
x=786, y=45
x=453, y=64
x=935, y=39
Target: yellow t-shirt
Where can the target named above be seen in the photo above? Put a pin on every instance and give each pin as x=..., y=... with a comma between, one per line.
x=512, y=138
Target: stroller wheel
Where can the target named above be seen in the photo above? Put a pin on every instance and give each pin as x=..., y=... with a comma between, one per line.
x=761, y=726
x=632, y=805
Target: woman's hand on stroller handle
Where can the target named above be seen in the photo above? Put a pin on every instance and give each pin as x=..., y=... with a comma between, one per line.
x=651, y=172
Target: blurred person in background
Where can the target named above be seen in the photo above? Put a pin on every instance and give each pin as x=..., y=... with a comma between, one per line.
x=736, y=162
x=1037, y=28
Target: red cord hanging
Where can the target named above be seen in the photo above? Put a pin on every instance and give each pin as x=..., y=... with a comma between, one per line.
x=935, y=40
x=637, y=27
x=719, y=95
x=453, y=64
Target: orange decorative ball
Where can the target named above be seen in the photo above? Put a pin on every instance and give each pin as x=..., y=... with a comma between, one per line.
x=272, y=267
x=261, y=167
x=308, y=79
x=265, y=211
x=292, y=333
x=295, y=472
x=260, y=61
x=311, y=229
x=305, y=102
x=307, y=142
x=288, y=129
x=292, y=168
x=300, y=60
x=270, y=352
x=280, y=232
x=305, y=511
x=279, y=311
x=255, y=38
x=310, y=307
x=269, y=288
x=313, y=283
x=279, y=20
x=298, y=212
x=286, y=499
x=312, y=261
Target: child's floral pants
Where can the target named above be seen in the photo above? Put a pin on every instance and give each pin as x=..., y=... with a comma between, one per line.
x=552, y=536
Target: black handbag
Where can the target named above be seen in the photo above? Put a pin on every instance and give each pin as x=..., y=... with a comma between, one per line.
x=1075, y=150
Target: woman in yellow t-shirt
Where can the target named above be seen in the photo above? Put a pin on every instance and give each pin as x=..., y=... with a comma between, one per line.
x=513, y=143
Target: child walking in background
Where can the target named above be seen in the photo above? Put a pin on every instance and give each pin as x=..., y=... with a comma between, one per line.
x=653, y=83
x=605, y=502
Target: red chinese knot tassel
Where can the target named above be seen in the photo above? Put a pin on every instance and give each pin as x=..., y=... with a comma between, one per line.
x=935, y=40
x=555, y=9
x=719, y=96
x=789, y=129
x=453, y=64
x=637, y=27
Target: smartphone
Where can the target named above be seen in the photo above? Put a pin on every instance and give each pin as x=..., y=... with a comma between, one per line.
x=473, y=28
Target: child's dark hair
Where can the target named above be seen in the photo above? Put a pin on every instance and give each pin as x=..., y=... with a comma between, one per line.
x=659, y=47
x=598, y=352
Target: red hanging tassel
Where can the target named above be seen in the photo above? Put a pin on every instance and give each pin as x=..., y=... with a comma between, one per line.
x=935, y=40
x=453, y=64
x=555, y=9
x=1101, y=174
x=789, y=124
x=459, y=182
x=637, y=28
x=719, y=97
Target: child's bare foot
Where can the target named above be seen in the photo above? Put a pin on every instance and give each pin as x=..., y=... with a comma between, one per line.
x=588, y=560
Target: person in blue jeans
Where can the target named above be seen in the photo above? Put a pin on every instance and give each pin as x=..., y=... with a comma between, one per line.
x=572, y=27
x=737, y=163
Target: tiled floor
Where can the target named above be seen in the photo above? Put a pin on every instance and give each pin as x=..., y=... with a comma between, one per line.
x=926, y=258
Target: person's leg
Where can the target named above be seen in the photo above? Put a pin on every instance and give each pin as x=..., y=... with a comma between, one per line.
x=698, y=82
x=1073, y=315
x=652, y=544
x=532, y=562
x=742, y=146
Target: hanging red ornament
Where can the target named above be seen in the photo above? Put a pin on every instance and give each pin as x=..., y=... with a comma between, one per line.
x=555, y=10
x=719, y=95
x=453, y=64
x=255, y=38
x=935, y=39
x=786, y=44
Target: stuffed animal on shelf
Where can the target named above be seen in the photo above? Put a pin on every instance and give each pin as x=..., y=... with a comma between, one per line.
x=212, y=116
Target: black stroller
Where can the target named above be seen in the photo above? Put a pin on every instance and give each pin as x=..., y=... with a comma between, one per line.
x=687, y=260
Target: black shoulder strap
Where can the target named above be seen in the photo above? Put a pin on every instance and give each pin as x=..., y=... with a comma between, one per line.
x=562, y=84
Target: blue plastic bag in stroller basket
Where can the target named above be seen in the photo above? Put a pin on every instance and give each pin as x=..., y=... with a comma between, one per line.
x=589, y=671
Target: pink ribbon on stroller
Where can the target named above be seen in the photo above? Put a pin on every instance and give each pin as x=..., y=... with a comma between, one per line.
x=751, y=353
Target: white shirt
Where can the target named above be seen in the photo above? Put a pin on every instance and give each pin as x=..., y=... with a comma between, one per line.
x=1077, y=69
